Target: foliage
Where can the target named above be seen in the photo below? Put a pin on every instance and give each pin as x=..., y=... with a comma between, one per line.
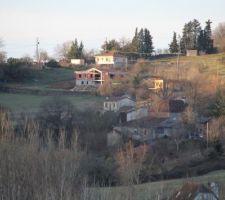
x=145, y=45
x=194, y=37
x=219, y=37
x=52, y=63
x=99, y=169
x=15, y=71
x=2, y=53
x=111, y=45
x=75, y=51
x=217, y=109
x=173, y=46
x=56, y=116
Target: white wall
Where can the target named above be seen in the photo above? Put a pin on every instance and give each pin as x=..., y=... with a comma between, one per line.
x=137, y=114
x=77, y=61
x=116, y=105
x=84, y=82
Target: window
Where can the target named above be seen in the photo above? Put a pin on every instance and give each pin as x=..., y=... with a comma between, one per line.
x=79, y=75
x=91, y=75
x=82, y=82
x=87, y=82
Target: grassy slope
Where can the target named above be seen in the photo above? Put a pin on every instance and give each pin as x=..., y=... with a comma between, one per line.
x=25, y=102
x=210, y=62
x=42, y=79
x=152, y=190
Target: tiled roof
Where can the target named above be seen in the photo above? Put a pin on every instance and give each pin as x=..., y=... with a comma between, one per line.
x=111, y=53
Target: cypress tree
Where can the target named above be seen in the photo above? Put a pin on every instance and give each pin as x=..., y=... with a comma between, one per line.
x=208, y=37
x=173, y=46
x=148, y=47
x=135, y=41
x=141, y=45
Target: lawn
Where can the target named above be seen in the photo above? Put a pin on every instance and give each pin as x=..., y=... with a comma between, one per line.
x=154, y=190
x=42, y=79
x=31, y=103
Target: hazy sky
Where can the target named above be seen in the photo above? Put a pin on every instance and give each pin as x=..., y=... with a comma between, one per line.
x=56, y=21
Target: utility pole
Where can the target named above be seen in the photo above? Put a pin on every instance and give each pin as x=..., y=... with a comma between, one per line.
x=207, y=136
x=178, y=57
x=106, y=44
x=37, y=51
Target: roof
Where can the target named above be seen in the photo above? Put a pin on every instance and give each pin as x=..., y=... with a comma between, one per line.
x=127, y=109
x=190, y=190
x=110, y=53
x=113, y=72
x=204, y=120
x=169, y=123
x=118, y=98
x=144, y=122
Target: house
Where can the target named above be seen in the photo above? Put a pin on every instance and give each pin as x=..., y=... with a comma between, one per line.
x=196, y=191
x=169, y=126
x=154, y=83
x=192, y=53
x=77, y=61
x=112, y=59
x=129, y=114
x=143, y=130
x=96, y=77
x=116, y=103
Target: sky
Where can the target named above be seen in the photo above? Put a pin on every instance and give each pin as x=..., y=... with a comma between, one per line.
x=92, y=21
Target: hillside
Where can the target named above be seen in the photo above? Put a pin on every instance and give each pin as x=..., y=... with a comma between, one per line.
x=188, y=67
x=155, y=190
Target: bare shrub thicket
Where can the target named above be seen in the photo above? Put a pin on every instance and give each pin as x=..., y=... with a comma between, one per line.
x=30, y=171
x=130, y=162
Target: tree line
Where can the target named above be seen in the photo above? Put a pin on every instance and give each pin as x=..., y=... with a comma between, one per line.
x=194, y=37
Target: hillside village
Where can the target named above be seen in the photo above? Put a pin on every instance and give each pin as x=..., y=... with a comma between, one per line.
x=126, y=122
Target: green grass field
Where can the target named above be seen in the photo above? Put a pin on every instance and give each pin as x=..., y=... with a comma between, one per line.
x=31, y=103
x=153, y=191
x=42, y=79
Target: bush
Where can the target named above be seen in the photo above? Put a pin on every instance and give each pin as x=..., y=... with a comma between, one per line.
x=53, y=64
x=15, y=71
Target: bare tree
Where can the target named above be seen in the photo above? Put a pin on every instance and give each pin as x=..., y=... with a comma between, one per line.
x=43, y=55
x=130, y=163
x=2, y=53
x=61, y=50
x=219, y=37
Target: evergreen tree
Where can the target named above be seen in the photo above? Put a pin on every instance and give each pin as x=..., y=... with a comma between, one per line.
x=76, y=51
x=208, y=37
x=148, y=47
x=218, y=108
x=201, y=41
x=173, y=46
x=135, y=41
x=196, y=30
x=191, y=32
x=141, y=37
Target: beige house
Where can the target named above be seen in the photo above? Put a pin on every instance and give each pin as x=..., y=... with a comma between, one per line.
x=77, y=61
x=192, y=53
x=111, y=59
